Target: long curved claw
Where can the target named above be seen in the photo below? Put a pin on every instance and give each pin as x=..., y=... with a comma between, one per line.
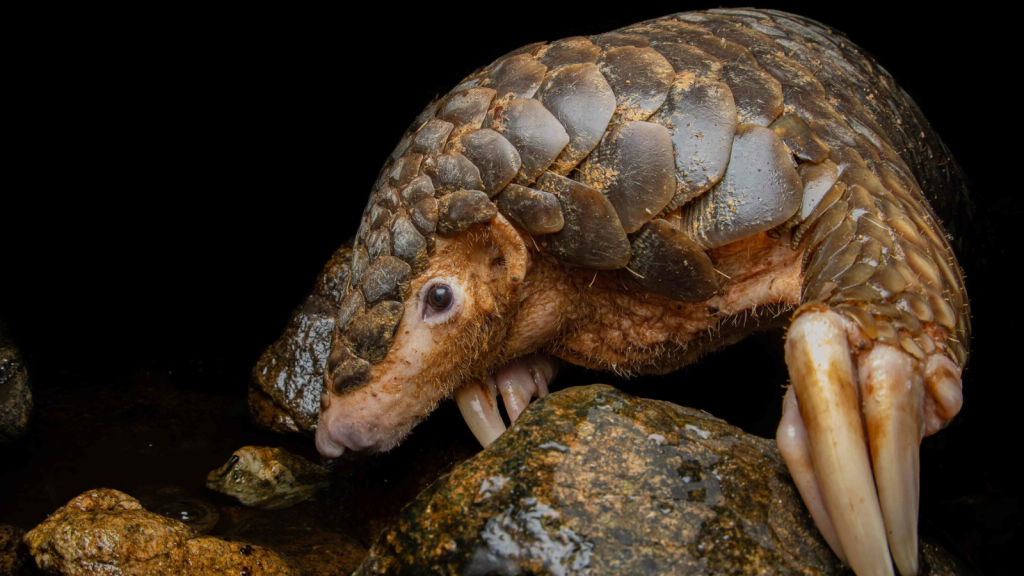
x=825, y=382
x=851, y=432
x=893, y=393
x=792, y=441
x=518, y=382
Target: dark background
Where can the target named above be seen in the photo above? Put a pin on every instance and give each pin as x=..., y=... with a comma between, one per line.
x=178, y=179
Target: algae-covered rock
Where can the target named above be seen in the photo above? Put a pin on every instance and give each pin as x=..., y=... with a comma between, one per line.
x=284, y=393
x=269, y=478
x=593, y=481
x=15, y=390
x=108, y=532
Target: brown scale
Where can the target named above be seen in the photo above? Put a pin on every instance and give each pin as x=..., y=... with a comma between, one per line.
x=625, y=141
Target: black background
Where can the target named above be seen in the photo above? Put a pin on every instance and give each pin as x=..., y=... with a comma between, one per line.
x=179, y=178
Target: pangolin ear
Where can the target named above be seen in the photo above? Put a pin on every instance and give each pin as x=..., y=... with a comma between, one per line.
x=513, y=249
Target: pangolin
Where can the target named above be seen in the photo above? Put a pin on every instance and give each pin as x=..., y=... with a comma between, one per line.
x=614, y=201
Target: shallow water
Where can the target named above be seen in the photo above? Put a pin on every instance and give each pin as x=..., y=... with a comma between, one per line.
x=156, y=440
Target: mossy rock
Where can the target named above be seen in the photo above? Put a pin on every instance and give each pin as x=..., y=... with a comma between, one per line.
x=593, y=481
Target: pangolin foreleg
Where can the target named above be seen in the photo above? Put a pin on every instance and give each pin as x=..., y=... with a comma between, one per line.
x=850, y=433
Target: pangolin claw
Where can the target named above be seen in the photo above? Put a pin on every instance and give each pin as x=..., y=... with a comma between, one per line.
x=517, y=383
x=850, y=434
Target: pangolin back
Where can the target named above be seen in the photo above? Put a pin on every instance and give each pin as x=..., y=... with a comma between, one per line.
x=614, y=151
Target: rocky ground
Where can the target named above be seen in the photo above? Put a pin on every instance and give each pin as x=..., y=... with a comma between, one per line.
x=590, y=480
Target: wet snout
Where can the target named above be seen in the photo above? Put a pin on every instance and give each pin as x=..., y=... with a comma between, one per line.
x=371, y=418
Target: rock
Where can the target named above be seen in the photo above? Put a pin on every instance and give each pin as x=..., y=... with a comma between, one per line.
x=269, y=478
x=106, y=531
x=208, y=556
x=15, y=390
x=10, y=537
x=284, y=393
x=590, y=480
x=310, y=551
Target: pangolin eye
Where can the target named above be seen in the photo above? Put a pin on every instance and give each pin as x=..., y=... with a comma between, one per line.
x=439, y=297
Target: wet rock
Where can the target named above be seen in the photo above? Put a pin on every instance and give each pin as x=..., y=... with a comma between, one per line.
x=284, y=393
x=590, y=480
x=269, y=478
x=10, y=537
x=106, y=531
x=15, y=390
x=310, y=551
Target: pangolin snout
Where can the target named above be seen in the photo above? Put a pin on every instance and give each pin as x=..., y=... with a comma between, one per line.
x=363, y=420
x=370, y=407
x=336, y=434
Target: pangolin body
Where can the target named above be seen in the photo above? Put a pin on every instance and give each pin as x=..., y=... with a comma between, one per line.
x=584, y=197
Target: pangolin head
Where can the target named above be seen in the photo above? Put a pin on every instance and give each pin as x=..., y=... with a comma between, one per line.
x=434, y=274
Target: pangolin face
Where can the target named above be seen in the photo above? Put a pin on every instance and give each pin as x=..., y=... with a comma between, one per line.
x=393, y=361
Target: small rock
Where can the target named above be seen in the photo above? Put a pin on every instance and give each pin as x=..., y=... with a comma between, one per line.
x=106, y=531
x=15, y=390
x=284, y=393
x=591, y=481
x=269, y=478
x=10, y=537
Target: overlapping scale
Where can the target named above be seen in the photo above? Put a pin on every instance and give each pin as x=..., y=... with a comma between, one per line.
x=516, y=77
x=534, y=132
x=635, y=169
x=640, y=79
x=575, y=50
x=494, y=156
x=667, y=263
x=460, y=210
x=760, y=190
x=701, y=116
x=535, y=211
x=581, y=99
x=592, y=235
